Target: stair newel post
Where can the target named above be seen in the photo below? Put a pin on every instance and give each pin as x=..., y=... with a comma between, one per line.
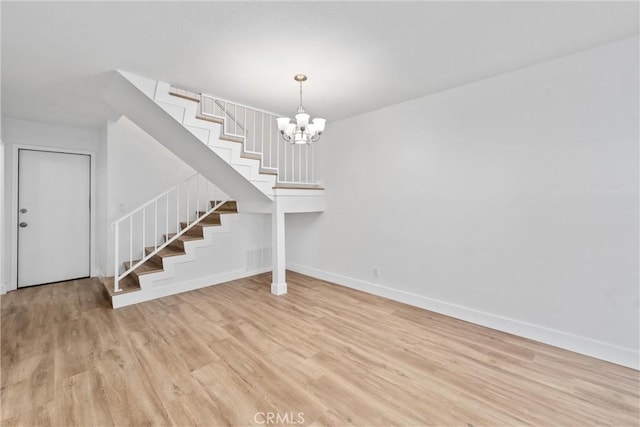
x=116, y=269
x=277, y=152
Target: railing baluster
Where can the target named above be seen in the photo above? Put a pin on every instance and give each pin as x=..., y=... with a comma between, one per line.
x=166, y=223
x=155, y=227
x=188, y=200
x=235, y=119
x=178, y=210
x=116, y=269
x=198, y=196
x=130, y=240
x=224, y=116
x=313, y=164
x=306, y=164
x=144, y=217
x=270, y=143
x=300, y=164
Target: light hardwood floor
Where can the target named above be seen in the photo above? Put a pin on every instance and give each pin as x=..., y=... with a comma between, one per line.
x=233, y=353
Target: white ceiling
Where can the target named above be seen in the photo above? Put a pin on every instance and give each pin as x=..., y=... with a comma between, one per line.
x=359, y=56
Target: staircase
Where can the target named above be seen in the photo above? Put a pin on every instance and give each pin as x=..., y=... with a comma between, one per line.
x=236, y=147
x=177, y=247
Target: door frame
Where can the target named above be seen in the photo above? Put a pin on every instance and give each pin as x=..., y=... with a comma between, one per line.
x=13, y=285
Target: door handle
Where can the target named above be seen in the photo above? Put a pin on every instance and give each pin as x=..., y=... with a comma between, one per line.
x=23, y=210
x=23, y=224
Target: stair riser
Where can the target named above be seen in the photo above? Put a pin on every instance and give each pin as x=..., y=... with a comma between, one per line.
x=195, y=231
x=178, y=244
x=230, y=206
x=212, y=219
x=157, y=259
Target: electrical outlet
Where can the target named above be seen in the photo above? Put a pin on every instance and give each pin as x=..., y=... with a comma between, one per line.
x=376, y=272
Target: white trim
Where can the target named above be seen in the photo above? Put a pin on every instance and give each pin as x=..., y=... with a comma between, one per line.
x=583, y=345
x=13, y=283
x=123, y=300
x=279, y=288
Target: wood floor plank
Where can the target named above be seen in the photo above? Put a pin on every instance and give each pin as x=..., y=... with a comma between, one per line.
x=231, y=354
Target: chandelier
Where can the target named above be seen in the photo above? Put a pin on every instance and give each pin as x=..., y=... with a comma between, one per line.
x=300, y=131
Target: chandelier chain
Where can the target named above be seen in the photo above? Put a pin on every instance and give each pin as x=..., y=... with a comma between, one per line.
x=301, y=107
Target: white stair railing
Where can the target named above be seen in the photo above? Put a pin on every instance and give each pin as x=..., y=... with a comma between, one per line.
x=295, y=164
x=143, y=227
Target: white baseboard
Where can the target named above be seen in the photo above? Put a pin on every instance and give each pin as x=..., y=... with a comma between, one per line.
x=143, y=295
x=600, y=350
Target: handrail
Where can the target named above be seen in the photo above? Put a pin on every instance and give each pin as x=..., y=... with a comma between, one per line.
x=159, y=225
x=158, y=197
x=240, y=105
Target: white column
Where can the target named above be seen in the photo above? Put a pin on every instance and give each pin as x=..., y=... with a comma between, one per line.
x=278, y=284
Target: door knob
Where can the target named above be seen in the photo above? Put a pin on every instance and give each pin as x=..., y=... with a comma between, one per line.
x=23, y=210
x=23, y=224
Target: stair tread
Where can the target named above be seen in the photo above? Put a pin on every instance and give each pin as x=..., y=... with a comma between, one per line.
x=184, y=237
x=209, y=222
x=212, y=216
x=297, y=187
x=127, y=284
x=268, y=171
x=210, y=119
x=147, y=267
x=167, y=251
x=184, y=224
x=181, y=93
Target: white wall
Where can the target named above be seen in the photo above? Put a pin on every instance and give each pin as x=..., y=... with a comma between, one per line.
x=510, y=202
x=34, y=134
x=102, y=223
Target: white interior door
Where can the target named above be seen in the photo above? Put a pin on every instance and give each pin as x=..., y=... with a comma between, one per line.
x=54, y=217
